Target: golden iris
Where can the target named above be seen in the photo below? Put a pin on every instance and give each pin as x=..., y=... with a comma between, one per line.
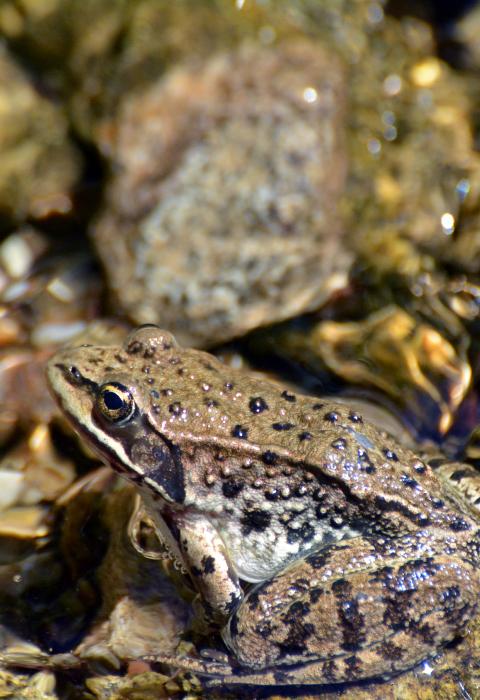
x=115, y=402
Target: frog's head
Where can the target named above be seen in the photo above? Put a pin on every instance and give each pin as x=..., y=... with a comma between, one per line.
x=104, y=393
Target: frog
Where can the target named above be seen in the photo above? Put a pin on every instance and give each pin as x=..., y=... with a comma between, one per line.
x=323, y=550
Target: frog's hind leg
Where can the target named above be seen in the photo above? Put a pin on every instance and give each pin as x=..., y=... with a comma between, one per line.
x=225, y=674
x=358, y=609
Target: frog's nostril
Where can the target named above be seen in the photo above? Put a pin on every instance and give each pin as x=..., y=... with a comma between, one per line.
x=75, y=373
x=73, y=376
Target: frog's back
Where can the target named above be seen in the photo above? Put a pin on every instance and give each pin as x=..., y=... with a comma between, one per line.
x=251, y=425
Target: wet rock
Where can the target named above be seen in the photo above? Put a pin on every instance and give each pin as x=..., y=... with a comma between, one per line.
x=148, y=686
x=95, y=52
x=42, y=305
x=423, y=376
x=39, y=686
x=142, y=614
x=39, y=166
x=32, y=472
x=222, y=212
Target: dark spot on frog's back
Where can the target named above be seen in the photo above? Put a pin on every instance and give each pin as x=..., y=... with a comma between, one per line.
x=459, y=525
x=257, y=404
x=270, y=457
x=331, y=416
x=232, y=488
x=320, y=559
x=257, y=520
x=240, y=431
x=296, y=612
x=208, y=564
x=306, y=533
x=282, y=426
x=420, y=468
x=315, y=594
x=264, y=629
x=341, y=588
x=355, y=417
x=175, y=408
x=408, y=481
x=134, y=347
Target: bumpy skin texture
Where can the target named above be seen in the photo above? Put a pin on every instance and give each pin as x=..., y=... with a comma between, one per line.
x=364, y=564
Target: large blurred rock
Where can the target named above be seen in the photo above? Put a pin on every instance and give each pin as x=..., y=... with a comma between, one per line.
x=222, y=211
x=38, y=165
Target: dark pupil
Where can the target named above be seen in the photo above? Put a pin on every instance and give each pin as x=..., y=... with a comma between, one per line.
x=112, y=401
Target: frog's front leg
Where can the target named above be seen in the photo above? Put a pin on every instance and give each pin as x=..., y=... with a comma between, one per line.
x=360, y=608
x=205, y=557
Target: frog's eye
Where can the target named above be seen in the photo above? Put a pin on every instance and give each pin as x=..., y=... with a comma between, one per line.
x=115, y=402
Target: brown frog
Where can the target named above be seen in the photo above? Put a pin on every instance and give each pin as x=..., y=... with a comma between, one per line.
x=360, y=561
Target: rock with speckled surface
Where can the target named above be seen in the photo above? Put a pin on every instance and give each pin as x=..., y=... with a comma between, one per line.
x=222, y=211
